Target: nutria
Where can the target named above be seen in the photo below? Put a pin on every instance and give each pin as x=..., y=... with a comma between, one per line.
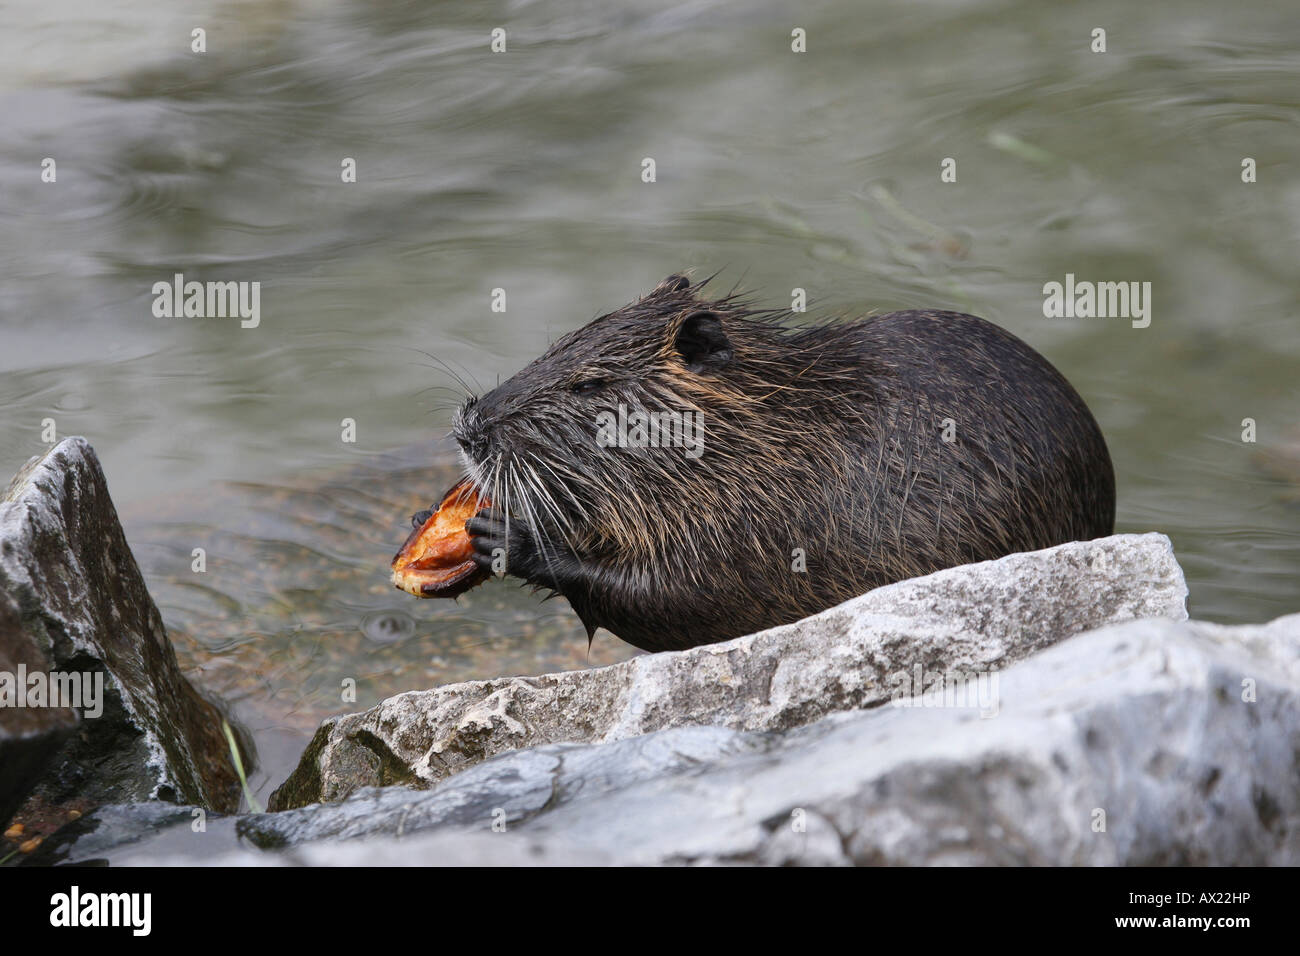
x=837, y=457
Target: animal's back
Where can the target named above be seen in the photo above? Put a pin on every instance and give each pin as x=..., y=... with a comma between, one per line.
x=982, y=449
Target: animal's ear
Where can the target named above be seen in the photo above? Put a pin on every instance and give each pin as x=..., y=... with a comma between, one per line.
x=701, y=342
x=671, y=286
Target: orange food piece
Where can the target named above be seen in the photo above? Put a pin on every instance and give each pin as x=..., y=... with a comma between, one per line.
x=435, y=560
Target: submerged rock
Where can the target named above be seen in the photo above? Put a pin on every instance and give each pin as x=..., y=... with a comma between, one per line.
x=72, y=602
x=968, y=619
x=1153, y=742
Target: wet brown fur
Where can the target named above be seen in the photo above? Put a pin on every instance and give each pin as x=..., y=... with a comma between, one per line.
x=825, y=438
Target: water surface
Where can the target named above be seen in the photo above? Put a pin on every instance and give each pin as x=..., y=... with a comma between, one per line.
x=522, y=171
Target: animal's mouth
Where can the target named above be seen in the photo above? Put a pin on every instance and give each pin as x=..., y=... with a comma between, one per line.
x=436, y=560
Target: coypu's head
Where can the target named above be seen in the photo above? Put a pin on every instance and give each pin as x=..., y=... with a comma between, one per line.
x=533, y=443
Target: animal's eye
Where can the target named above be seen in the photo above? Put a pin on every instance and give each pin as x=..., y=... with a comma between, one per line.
x=588, y=385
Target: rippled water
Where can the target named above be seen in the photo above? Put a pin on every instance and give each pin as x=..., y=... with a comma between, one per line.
x=522, y=171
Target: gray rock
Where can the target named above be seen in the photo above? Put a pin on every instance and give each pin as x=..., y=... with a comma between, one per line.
x=1152, y=742
x=156, y=834
x=970, y=618
x=81, y=607
x=112, y=830
x=505, y=791
x=29, y=736
x=434, y=849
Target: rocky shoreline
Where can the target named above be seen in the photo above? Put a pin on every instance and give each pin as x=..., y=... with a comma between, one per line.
x=1055, y=707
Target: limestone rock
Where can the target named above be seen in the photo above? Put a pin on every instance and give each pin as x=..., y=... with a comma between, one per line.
x=1153, y=742
x=971, y=618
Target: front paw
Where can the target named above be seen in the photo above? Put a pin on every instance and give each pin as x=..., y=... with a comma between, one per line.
x=501, y=546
